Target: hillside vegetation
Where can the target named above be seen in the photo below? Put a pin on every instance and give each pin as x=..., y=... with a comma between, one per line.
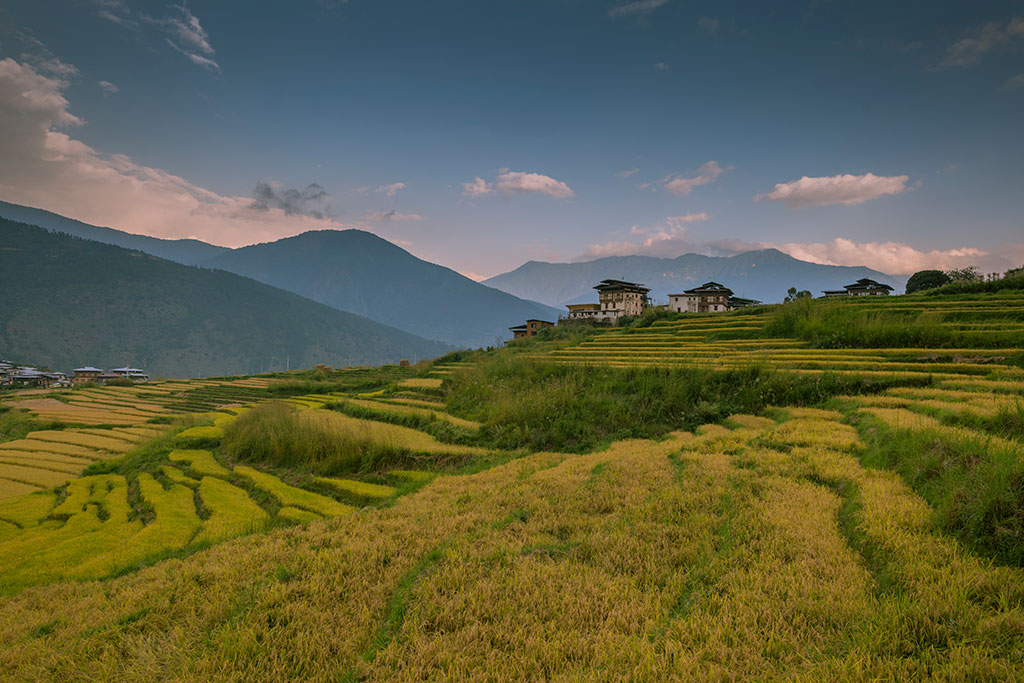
x=687, y=498
x=69, y=302
x=356, y=271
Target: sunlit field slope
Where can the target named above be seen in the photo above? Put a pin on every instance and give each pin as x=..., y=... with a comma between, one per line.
x=754, y=496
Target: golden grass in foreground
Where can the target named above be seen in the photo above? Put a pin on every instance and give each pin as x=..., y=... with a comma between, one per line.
x=763, y=553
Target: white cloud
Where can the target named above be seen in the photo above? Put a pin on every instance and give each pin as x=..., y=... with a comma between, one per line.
x=1014, y=82
x=660, y=66
x=184, y=33
x=517, y=182
x=894, y=258
x=901, y=259
x=389, y=216
x=707, y=173
x=636, y=7
x=392, y=189
x=478, y=188
x=107, y=87
x=667, y=239
x=839, y=189
x=628, y=173
x=42, y=166
x=709, y=25
x=993, y=35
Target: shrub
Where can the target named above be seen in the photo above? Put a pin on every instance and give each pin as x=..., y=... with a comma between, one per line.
x=575, y=407
x=926, y=279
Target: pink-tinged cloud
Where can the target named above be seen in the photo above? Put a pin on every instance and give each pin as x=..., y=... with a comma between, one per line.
x=666, y=239
x=517, y=182
x=707, y=173
x=477, y=188
x=42, y=165
x=901, y=259
x=392, y=189
x=840, y=189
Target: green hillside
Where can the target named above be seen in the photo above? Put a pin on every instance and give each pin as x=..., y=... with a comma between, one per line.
x=357, y=271
x=68, y=302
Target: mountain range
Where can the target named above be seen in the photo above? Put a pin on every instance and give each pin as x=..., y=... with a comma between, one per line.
x=764, y=275
x=357, y=272
x=66, y=302
x=351, y=270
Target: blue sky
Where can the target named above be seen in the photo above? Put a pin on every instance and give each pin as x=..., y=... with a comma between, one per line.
x=483, y=134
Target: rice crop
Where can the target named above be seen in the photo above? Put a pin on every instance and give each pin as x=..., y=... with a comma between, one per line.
x=204, y=432
x=357, y=489
x=176, y=476
x=32, y=476
x=327, y=442
x=295, y=515
x=716, y=557
x=199, y=461
x=13, y=489
x=76, y=438
x=291, y=496
x=232, y=511
x=421, y=383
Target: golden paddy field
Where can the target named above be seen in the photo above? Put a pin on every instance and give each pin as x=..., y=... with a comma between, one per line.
x=769, y=546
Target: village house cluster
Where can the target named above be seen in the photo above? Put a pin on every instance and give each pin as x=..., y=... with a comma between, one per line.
x=621, y=298
x=12, y=375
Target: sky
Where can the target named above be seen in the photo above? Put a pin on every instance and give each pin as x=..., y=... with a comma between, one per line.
x=480, y=135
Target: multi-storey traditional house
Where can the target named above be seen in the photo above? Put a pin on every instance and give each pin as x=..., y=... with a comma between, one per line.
x=862, y=287
x=710, y=297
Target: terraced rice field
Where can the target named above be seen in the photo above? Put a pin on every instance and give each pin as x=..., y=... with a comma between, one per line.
x=795, y=544
x=56, y=524
x=710, y=341
x=48, y=458
x=94, y=525
x=761, y=549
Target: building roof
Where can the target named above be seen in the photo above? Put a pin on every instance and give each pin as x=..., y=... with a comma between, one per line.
x=584, y=307
x=538, y=320
x=518, y=328
x=128, y=370
x=867, y=283
x=88, y=368
x=710, y=288
x=624, y=285
x=740, y=301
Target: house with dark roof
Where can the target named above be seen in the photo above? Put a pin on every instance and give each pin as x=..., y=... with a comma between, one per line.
x=710, y=297
x=619, y=298
x=530, y=329
x=862, y=287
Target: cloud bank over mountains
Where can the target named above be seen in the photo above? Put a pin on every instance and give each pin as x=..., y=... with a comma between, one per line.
x=42, y=165
x=840, y=189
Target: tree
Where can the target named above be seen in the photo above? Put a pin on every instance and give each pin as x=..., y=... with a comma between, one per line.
x=926, y=279
x=966, y=275
x=793, y=295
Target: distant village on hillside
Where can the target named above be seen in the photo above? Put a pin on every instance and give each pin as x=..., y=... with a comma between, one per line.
x=618, y=299
x=27, y=376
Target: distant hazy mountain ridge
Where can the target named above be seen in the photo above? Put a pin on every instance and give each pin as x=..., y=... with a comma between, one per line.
x=357, y=271
x=189, y=252
x=350, y=270
x=68, y=302
x=764, y=275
